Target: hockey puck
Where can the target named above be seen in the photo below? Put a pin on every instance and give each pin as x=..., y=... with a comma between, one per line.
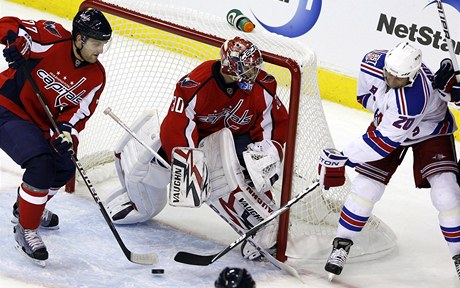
x=158, y=271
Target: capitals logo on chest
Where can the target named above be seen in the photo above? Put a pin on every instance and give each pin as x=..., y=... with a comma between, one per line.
x=230, y=115
x=67, y=93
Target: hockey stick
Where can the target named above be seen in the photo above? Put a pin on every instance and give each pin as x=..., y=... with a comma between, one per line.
x=450, y=47
x=146, y=259
x=108, y=111
x=442, y=17
x=204, y=260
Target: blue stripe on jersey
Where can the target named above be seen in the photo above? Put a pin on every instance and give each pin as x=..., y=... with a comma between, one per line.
x=372, y=71
x=413, y=100
x=380, y=144
x=446, y=126
x=363, y=99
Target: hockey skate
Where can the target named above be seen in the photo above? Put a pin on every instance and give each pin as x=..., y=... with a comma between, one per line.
x=30, y=244
x=338, y=257
x=266, y=238
x=456, y=259
x=49, y=220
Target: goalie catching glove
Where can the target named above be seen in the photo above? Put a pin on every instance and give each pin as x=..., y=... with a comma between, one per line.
x=331, y=168
x=263, y=163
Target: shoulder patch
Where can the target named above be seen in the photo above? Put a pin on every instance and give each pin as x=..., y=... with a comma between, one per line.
x=186, y=82
x=268, y=79
x=50, y=26
x=373, y=57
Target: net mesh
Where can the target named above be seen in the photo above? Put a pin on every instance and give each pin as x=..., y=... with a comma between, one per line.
x=143, y=65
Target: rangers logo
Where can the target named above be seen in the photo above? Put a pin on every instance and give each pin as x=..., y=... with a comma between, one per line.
x=372, y=57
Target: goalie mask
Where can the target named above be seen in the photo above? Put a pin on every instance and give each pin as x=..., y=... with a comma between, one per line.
x=403, y=61
x=241, y=60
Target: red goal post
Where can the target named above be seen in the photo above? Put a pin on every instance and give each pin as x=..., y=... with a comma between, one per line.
x=154, y=45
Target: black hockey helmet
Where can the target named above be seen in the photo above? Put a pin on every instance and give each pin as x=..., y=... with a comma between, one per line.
x=91, y=23
x=234, y=278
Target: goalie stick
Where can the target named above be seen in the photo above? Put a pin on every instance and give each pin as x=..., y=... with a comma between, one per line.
x=204, y=260
x=145, y=259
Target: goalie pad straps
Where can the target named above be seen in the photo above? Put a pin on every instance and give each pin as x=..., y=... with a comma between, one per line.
x=143, y=193
x=231, y=198
x=189, y=178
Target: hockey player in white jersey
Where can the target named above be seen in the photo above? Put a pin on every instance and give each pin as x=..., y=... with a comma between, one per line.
x=408, y=113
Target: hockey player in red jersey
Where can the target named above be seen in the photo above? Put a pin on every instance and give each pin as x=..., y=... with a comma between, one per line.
x=410, y=111
x=66, y=69
x=229, y=109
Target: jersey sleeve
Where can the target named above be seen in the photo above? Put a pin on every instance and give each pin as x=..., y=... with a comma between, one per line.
x=272, y=123
x=178, y=128
x=43, y=33
x=371, y=71
x=80, y=114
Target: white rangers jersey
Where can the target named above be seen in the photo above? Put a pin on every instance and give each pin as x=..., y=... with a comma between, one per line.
x=402, y=116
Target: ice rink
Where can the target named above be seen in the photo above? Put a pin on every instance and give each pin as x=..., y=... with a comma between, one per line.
x=83, y=252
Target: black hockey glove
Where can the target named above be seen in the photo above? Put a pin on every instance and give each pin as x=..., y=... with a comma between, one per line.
x=63, y=143
x=17, y=50
x=446, y=82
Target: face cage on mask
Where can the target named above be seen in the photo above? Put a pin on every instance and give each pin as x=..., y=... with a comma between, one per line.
x=244, y=81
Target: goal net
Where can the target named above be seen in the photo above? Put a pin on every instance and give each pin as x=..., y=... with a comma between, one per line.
x=154, y=45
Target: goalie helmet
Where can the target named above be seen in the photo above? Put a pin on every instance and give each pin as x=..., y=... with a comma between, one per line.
x=403, y=61
x=234, y=278
x=91, y=23
x=241, y=60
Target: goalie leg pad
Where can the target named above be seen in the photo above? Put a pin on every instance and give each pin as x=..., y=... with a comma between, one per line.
x=143, y=180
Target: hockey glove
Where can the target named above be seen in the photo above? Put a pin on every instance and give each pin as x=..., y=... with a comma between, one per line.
x=331, y=168
x=446, y=82
x=263, y=163
x=62, y=143
x=17, y=50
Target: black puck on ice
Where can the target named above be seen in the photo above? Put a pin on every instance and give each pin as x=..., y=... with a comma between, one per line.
x=158, y=271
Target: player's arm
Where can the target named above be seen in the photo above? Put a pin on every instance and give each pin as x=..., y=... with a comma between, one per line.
x=178, y=128
x=26, y=39
x=370, y=72
x=72, y=119
x=263, y=157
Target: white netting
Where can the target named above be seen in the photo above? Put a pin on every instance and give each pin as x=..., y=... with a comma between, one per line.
x=143, y=65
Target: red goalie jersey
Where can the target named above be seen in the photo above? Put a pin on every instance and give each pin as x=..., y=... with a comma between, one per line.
x=203, y=104
x=71, y=88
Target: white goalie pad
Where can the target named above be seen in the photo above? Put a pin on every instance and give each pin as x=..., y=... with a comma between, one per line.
x=231, y=198
x=189, y=185
x=143, y=181
x=263, y=164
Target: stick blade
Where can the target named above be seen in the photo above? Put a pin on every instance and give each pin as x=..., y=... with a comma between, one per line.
x=194, y=259
x=144, y=259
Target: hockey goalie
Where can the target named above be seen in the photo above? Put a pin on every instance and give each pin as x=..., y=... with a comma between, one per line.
x=224, y=138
